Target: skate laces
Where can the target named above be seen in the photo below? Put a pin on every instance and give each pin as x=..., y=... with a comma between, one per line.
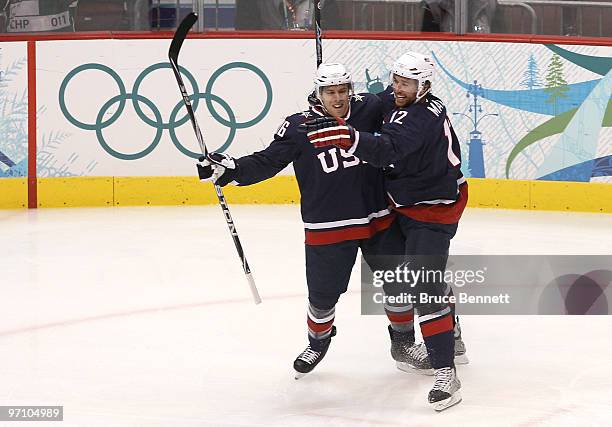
x=309, y=355
x=443, y=379
x=418, y=351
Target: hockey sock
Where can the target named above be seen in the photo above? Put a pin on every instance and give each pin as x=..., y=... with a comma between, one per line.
x=401, y=318
x=449, y=292
x=437, y=331
x=456, y=326
x=320, y=322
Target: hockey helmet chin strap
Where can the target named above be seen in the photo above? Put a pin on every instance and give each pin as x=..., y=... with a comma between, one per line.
x=418, y=98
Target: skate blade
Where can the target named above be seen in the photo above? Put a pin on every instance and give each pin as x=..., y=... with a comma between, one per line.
x=462, y=359
x=447, y=403
x=403, y=366
x=299, y=375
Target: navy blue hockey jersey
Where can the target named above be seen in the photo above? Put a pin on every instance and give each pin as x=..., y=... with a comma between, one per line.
x=388, y=100
x=419, y=148
x=342, y=198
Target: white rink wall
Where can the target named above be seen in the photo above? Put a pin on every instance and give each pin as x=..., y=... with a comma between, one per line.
x=109, y=119
x=271, y=78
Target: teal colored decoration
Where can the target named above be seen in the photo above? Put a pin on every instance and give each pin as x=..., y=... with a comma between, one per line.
x=245, y=66
x=158, y=123
x=135, y=100
x=374, y=85
x=596, y=64
x=99, y=126
x=71, y=75
x=231, y=124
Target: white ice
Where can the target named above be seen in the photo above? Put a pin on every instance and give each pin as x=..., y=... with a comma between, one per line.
x=142, y=317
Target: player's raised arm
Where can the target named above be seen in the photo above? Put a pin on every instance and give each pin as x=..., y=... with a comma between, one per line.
x=255, y=167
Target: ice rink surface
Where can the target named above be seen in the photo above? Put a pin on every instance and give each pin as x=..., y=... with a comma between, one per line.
x=142, y=317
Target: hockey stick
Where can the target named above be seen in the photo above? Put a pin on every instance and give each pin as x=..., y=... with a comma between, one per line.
x=312, y=98
x=173, y=53
x=318, y=31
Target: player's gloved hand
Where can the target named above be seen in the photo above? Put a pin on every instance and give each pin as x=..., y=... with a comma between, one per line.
x=218, y=168
x=324, y=131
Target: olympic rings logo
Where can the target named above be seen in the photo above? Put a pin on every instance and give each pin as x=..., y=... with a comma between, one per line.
x=173, y=123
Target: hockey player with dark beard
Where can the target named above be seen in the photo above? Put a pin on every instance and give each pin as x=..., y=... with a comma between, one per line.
x=420, y=151
x=343, y=203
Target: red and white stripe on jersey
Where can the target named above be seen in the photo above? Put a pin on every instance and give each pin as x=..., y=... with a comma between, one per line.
x=439, y=212
x=460, y=181
x=325, y=233
x=329, y=136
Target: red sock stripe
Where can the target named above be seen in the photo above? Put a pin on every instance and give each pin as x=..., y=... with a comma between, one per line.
x=400, y=317
x=320, y=327
x=437, y=326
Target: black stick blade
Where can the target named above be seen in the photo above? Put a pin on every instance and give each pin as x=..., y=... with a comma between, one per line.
x=180, y=35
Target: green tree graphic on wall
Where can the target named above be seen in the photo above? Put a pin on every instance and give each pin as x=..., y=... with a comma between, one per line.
x=556, y=85
x=531, y=76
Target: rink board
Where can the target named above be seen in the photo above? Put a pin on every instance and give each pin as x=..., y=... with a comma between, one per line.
x=13, y=193
x=142, y=191
x=111, y=129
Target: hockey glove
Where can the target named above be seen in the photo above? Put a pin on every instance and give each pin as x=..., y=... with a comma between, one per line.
x=324, y=131
x=218, y=168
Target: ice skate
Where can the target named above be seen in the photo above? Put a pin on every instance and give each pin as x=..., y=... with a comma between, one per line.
x=310, y=358
x=413, y=358
x=409, y=356
x=460, y=356
x=445, y=391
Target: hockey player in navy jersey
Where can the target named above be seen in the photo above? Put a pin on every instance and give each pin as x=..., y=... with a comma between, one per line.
x=343, y=204
x=421, y=152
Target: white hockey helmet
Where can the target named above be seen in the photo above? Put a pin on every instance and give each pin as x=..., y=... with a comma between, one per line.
x=332, y=74
x=413, y=65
